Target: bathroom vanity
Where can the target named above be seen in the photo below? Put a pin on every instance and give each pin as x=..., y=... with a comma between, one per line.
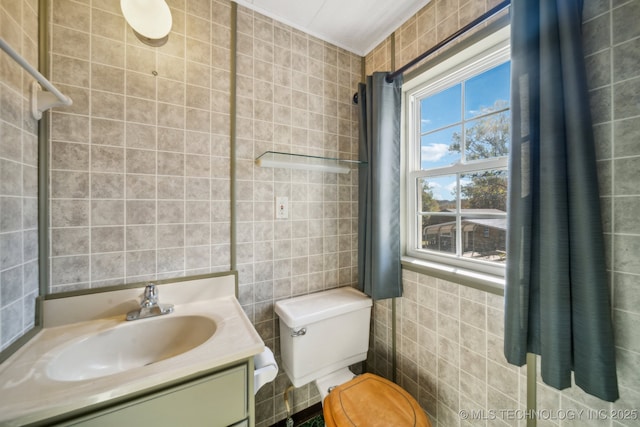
x=219, y=399
x=88, y=366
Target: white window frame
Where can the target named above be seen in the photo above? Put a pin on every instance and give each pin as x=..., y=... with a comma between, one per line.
x=481, y=56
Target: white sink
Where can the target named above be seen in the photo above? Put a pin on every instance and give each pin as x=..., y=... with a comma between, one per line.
x=128, y=345
x=87, y=354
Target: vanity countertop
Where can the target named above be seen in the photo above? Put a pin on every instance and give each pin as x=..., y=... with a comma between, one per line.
x=28, y=394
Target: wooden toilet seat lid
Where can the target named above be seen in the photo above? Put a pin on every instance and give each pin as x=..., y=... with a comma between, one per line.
x=372, y=401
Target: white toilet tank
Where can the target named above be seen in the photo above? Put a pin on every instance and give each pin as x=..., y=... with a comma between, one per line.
x=323, y=332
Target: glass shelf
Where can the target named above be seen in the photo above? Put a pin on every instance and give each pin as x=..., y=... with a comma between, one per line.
x=274, y=159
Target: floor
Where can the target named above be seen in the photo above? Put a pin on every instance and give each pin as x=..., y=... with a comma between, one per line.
x=310, y=417
x=316, y=421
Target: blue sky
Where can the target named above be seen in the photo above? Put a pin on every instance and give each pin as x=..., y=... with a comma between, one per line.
x=441, y=116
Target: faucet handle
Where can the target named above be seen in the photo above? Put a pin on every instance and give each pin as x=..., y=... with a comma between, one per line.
x=150, y=295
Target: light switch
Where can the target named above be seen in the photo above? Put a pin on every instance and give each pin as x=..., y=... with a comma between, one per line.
x=282, y=207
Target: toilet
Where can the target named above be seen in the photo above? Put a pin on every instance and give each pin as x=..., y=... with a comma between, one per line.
x=321, y=335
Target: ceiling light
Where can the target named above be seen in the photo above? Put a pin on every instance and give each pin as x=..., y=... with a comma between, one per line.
x=150, y=20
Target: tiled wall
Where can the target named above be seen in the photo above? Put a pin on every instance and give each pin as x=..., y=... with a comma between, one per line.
x=140, y=183
x=18, y=174
x=294, y=95
x=448, y=337
x=140, y=163
x=612, y=53
x=450, y=351
x=449, y=343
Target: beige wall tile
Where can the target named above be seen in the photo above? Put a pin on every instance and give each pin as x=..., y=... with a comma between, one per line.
x=304, y=123
x=71, y=42
x=106, y=24
x=482, y=318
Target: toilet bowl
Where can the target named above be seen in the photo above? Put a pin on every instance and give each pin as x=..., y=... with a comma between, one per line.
x=324, y=333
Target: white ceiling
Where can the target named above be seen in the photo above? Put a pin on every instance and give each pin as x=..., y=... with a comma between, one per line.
x=355, y=25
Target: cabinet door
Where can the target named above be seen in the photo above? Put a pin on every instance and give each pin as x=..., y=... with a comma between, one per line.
x=216, y=401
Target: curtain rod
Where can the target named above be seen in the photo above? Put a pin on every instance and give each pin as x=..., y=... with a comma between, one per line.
x=479, y=20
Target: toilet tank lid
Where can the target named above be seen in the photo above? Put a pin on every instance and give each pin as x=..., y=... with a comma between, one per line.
x=307, y=309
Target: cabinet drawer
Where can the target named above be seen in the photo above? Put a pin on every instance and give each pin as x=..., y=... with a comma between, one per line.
x=218, y=400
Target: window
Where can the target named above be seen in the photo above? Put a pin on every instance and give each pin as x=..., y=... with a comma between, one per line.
x=457, y=122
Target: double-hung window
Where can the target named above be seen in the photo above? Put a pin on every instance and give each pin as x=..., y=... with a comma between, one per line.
x=457, y=124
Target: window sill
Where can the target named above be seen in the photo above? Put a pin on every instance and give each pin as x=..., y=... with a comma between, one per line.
x=482, y=281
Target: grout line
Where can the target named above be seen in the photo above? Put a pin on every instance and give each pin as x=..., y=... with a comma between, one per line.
x=90, y=155
x=124, y=157
x=184, y=144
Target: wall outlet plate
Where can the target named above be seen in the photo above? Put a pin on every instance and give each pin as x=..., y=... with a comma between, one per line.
x=282, y=207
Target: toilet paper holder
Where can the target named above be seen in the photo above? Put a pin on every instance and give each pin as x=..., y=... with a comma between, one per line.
x=265, y=369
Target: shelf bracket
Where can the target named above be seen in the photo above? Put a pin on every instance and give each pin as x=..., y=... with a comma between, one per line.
x=41, y=101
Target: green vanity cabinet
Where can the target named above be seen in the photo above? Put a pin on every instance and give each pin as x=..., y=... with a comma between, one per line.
x=218, y=400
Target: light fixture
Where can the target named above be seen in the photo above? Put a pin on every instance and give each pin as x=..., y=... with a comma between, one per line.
x=150, y=20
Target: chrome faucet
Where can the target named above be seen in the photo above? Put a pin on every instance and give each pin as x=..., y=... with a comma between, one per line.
x=150, y=307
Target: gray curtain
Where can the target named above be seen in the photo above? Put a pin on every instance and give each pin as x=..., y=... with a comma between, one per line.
x=557, y=302
x=379, y=272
